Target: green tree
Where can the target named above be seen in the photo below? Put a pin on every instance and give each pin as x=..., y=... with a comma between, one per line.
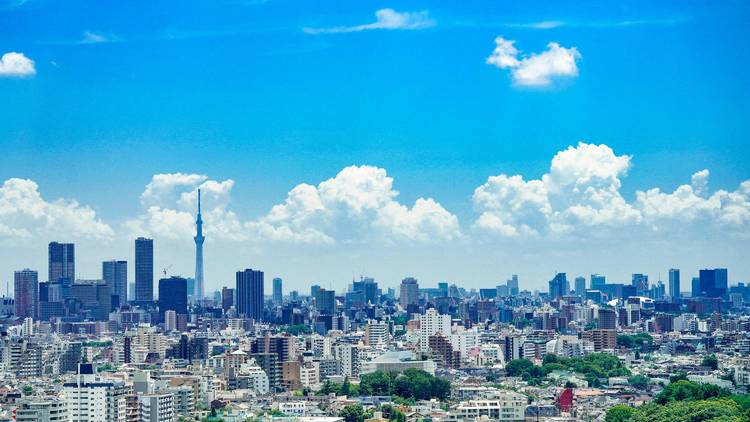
x=27, y=390
x=710, y=361
x=353, y=413
x=638, y=381
x=620, y=413
x=378, y=383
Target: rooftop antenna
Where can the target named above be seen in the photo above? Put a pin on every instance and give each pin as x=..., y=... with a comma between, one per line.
x=164, y=270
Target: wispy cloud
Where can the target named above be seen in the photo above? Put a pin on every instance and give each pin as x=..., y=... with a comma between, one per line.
x=91, y=37
x=384, y=19
x=552, y=24
x=537, y=69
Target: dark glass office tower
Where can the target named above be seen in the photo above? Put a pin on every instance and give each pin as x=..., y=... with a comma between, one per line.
x=173, y=295
x=115, y=274
x=674, y=284
x=144, y=270
x=249, y=291
x=62, y=261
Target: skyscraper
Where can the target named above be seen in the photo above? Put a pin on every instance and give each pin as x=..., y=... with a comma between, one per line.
x=580, y=284
x=144, y=270
x=26, y=286
x=199, y=292
x=62, y=261
x=115, y=274
x=513, y=285
x=597, y=281
x=640, y=281
x=249, y=294
x=278, y=294
x=674, y=284
x=325, y=303
x=409, y=292
x=172, y=295
x=713, y=283
x=227, y=298
x=559, y=286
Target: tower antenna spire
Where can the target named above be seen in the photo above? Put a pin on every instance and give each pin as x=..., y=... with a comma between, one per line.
x=199, y=201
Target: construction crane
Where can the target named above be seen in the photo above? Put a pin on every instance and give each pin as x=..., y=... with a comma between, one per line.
x=164, y=270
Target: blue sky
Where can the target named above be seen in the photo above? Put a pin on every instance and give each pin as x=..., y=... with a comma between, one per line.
x=240, y=90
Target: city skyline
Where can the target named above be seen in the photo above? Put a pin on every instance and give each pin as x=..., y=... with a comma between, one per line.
x=460, y=144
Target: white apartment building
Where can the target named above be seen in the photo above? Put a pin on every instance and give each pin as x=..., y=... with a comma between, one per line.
x=348, y=355
x=376, y=334
x=93, y=399
x=156, y=407
x=431, y=323
x=48, y=409
x=508, y=406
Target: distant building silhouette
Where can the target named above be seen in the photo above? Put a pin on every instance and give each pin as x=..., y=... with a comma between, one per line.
x=62, y=261
x=249, y=293
x=144, y=270
x=115, y=274
x=26, y=285
x=173, y=295
x=409, y=292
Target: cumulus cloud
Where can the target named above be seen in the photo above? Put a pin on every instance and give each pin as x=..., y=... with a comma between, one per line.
x=357, y=205
x=170, y=200
x=384, y=19
x=24, y=213
x=722, y=210
x=580, y=195
x=537, y=69
x=16, y=65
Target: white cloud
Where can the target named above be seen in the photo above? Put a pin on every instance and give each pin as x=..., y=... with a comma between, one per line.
x=16, y=65
x=537, y=69
x=357, y=205
x=25, y=214
x=385, y=19
x=580, y=196
x=722, y=211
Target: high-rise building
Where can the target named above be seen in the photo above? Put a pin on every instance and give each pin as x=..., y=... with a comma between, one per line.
x=674, y=284
x=144, y=270
x=173, y=295
x=278, y=293
x=227, y=298
x=430, y=323
x=314, y=291
x=325, y=303
x=409, y=292
x=62, y=261
x=115, y=274
x=597, y=281
x=713, y=283
x=368, y=288
x=26, y=286
x=558, y=286
x=249, y=291
x=640, y=281
x=580, y=283
x=607, y=319
x=513, y=285
x=695, y=287
x=199, y=293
